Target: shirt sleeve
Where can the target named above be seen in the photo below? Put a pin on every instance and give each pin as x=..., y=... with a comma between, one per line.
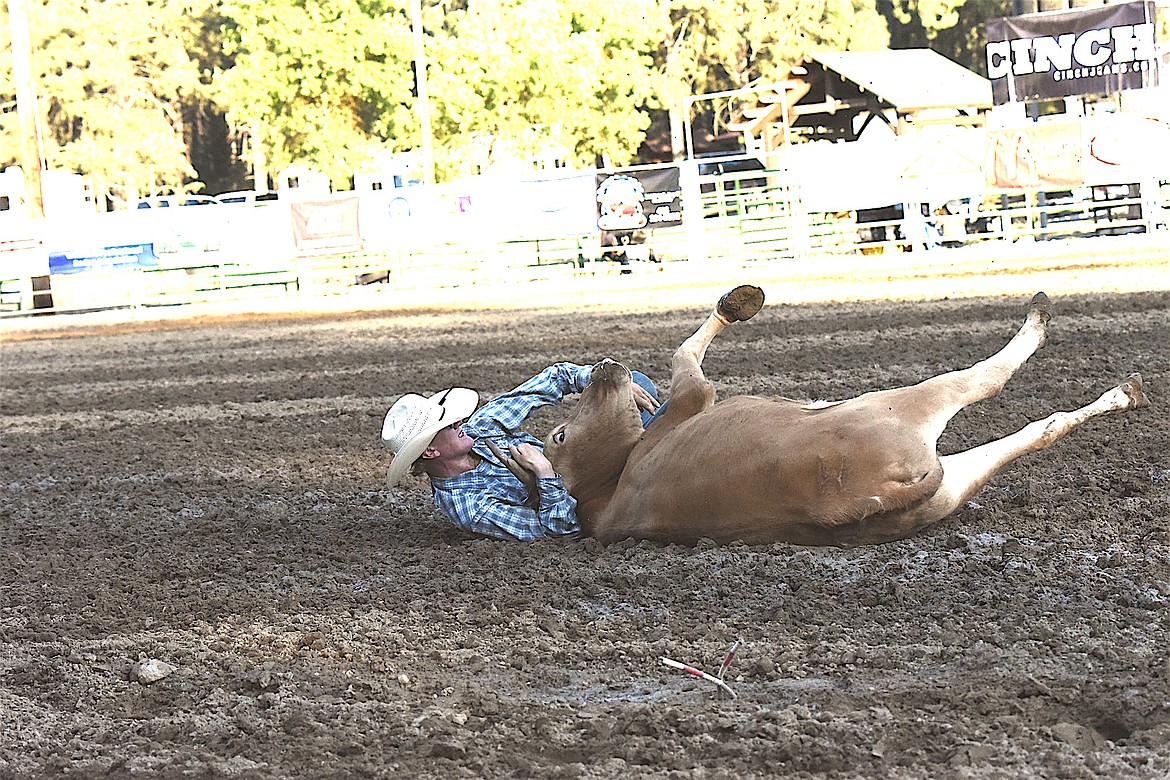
x=500, y=512
x=505, y=413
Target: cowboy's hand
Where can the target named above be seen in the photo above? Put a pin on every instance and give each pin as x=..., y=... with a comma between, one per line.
x=532, y=460
x=523, y=471
x=644, y=400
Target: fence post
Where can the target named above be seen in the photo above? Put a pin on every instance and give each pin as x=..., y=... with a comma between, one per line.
x=799, y=223
x=1149, y=205
x=688, y=173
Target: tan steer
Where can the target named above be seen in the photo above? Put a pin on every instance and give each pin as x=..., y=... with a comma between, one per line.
x=760, y=470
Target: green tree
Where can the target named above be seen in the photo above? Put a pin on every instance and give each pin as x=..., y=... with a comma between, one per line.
x=112, y=78
x=953, y=29
x=129, y=87
x=529, y=75
x=733, y=44
x=320, y=82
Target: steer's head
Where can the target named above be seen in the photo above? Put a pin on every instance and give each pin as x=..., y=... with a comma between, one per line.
x=590, y=450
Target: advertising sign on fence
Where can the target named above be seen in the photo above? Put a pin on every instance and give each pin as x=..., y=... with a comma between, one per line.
x=321, y=226
x=1035, y=156
x=630, y=203
x=1072, y=152
x=639, y=199
x=1085, y=51
x=104, y=259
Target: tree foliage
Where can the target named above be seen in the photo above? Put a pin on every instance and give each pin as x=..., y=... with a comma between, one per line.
x=527, y=75
x=953, y=28
x=325, y=83
x=329, y=83
x=112, y=79
x=730, y=45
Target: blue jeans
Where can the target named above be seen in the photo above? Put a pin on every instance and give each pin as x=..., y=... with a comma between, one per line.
x=647, y=384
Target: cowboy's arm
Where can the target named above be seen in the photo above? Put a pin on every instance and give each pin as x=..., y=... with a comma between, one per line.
x=507, y=412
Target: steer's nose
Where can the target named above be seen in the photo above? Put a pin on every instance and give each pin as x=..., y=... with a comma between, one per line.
x=608, y=370
x=602, y=366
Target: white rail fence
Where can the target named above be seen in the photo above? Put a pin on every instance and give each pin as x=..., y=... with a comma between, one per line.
x=749, y=217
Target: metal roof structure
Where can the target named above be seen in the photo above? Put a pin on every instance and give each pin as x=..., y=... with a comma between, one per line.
x=910, y=80
x=835, y=96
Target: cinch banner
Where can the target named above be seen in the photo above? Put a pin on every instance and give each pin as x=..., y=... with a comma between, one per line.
x=639, y=200
x=1087, y=51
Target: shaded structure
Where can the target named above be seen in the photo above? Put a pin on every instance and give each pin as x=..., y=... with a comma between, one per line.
x=835, y=96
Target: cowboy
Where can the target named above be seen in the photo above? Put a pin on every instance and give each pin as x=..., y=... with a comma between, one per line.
x=445, y=437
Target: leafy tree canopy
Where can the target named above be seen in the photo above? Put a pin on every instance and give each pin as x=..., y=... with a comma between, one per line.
x=112, y=79
x=729, y=45
x=529, y=74
x=320, y=82
x=953, y=28
x=330, y=83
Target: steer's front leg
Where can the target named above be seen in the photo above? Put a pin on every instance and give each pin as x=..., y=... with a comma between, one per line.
x=690, y=391
x=524, y=475
x=740, y=304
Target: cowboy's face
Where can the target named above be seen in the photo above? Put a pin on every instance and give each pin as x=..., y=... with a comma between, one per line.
x=451, y=441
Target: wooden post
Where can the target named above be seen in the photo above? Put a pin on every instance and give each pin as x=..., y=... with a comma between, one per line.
x=423, y=103
x=31, y=158
x=31, y=161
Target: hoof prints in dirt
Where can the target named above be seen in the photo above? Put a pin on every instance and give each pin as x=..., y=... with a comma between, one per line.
x=211, y=499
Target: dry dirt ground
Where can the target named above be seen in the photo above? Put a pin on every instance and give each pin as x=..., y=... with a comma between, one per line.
x=201, y=501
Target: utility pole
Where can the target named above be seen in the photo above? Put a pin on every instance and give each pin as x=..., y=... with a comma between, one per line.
x=423, y=102
x=31, y=159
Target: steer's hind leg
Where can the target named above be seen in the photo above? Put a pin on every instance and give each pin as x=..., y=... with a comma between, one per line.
x=936, y=400
x=964, y=473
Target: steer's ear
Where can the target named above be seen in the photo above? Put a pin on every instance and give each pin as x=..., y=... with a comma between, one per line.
x=522, y=474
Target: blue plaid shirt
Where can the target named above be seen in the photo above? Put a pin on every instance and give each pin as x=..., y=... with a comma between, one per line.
x=489, y=499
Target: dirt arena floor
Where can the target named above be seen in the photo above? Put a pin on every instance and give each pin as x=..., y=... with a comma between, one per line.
x=204, y=576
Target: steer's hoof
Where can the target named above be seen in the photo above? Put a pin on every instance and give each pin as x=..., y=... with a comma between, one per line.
x=1039, y=313
x=741, y=304
x=1042, y=306
x=1133, y=389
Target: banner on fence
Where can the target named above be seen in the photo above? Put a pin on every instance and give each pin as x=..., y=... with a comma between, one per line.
x=556, y=205
x=639, y=199
x=1085, y=51
x=110, y=258
x=23, y=257
x=326, y=225
x=1075, y=152
x=1125, y=148
x=1035, y=156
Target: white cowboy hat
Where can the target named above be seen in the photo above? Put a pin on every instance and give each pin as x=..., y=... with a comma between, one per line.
x=413, y=421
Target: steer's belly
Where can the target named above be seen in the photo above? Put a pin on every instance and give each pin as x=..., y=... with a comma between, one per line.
x=761, y=470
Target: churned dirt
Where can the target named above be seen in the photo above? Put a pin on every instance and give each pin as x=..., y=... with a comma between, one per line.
x=203, y=575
